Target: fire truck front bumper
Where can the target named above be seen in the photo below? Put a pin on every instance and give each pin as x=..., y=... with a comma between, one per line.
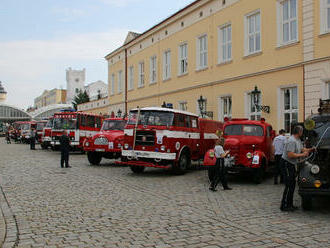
x=130, y=154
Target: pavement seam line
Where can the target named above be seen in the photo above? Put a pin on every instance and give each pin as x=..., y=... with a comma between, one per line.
x=12, y=215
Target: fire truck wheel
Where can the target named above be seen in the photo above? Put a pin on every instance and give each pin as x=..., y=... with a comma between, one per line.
x=306, y=202
x=183, y=163
x=43, y=146
x=259, y=174
x=137, y=169
x=94, y=158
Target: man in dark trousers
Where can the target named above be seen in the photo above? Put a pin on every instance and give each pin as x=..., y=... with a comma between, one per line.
x=278, y=146
x=65, y=150
x=292, y=154
x=33, y=139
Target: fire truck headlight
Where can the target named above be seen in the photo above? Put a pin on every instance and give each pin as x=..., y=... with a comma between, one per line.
x=249, y=155
x=126, y=146
x=315, y=169
x=119, y=145
x=163, y=148
x=87, y=144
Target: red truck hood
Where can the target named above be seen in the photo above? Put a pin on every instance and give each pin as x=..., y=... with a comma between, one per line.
x=244, y=140
x=110, y=135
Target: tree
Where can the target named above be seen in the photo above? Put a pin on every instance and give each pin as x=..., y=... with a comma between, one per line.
x=81, y=97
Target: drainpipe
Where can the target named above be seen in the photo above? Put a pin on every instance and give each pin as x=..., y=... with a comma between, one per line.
x=304, y=97
x=126, y=83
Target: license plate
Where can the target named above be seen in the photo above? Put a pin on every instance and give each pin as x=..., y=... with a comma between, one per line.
x=255, y=160
x=100, y=150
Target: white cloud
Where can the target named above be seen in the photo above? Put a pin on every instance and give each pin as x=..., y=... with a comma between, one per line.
x=119, y=3
x=30, y=66
x=68, y=14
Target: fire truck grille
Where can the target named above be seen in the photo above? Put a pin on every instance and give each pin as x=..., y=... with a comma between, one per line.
x=145, y=138
x=101, y=141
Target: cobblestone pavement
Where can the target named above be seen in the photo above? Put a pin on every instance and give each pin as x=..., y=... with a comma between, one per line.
x=108, y=206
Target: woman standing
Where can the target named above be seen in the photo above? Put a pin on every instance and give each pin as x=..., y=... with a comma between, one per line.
x=220, y=172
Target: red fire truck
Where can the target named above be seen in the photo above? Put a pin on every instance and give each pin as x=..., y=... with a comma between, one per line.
x=46, y=137
x=79, y=125
x=107, y=143
x=166, y=138
x=250, y=145
x=39, y=128
x=26, y=128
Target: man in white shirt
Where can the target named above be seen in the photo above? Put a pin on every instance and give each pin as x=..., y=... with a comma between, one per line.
x=278, y=146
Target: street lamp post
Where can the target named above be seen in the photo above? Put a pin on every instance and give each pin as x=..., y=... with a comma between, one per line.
x=119, y=113
x=255, y=95
x=202, y=104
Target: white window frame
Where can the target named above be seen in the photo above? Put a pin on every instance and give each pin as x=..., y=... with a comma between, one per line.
x=281, y=23
x=183, y=59
x=167, y=65
x=153, y=69
x=120, y=81
x=224, y=44
x=183, y=105
x=130, y=78
x=324, y=5
x=202, y=54
x=141, y=74
x=255, y=33
x=223, y=101
x=291, y=110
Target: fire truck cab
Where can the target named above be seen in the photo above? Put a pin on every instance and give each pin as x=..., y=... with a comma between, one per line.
x=166, y=138
x=46, y=136
x=107, y=143
x=79, y=126
x=26, y=128
x=250, y=146
x=39, y=128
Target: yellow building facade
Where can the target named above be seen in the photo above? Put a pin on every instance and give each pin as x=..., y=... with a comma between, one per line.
x=50, y=97
x=221, y=50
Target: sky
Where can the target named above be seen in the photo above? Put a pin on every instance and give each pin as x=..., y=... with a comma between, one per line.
x=40, y=39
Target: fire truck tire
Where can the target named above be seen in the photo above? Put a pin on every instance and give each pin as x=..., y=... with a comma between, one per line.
x=306, y=202
x=43, y=146
x=259, y=174
x=94, y=158
x=183, y=163
x=137, y=169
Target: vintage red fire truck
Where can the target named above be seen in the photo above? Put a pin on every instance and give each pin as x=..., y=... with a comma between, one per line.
x=166, y=138
x=46, y=137
x=107, y=143
x=39, y=128
x=250, y=146
x=26, y=128
x=79, y=126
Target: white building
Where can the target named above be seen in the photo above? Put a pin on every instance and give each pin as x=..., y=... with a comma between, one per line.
x=97, y=90
x=75, y=81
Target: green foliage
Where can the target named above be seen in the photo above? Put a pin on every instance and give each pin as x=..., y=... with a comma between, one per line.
x=81, y=97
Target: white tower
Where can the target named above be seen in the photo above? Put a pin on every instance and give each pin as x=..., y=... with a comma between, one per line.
x=75, y=81
x=3, y=93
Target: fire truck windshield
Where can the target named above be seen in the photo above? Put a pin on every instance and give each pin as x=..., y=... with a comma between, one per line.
x=40, y=126
x=152, y=118
x=25, y=126
x=246, y=130
x=50, y=123
x=64, y=123
x=113, y=125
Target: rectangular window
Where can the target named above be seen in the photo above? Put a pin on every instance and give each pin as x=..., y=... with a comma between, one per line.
x=112, y=92
x=167, y=65
x=226, y=107
x=141, y=74
x=224, y=44
x=254, y=111
x=131, y=78
x=328, y=90
x=183, y=106
x=153, y=69
x=202, y=56
x=253, y=33
x=183, y=59
x=328, y=15
x=120, y=81
x=288, y=31
x=290, y=107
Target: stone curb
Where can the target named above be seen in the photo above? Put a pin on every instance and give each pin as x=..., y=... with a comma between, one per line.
x=9, y=234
